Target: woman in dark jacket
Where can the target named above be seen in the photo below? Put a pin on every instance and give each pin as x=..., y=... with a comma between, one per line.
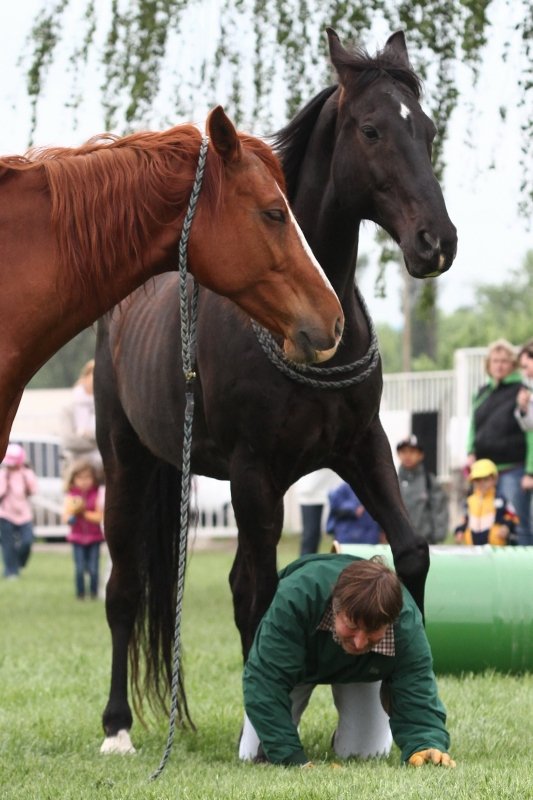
x=495, y=434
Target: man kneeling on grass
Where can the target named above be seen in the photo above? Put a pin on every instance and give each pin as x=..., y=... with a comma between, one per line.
x=348, y=622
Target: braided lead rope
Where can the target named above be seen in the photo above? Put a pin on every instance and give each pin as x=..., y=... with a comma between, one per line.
x=188, y=327
x=188, y=352
x=301, y=373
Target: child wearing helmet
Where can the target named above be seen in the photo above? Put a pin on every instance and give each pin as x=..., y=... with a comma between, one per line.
x=489, y=518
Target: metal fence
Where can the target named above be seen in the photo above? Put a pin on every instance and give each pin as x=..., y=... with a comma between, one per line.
x=44, y=455
x=448, y=393
x=211, y=510
x=423, y=392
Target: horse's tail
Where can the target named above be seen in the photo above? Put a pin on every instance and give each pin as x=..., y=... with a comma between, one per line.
x=152, y=642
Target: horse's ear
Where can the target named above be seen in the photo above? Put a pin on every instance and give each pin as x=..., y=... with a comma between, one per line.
x=397, y=46
x=224, y=136
x=337, y=53
x=340, y=57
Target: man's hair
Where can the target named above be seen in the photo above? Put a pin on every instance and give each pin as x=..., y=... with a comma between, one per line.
x=369, y=593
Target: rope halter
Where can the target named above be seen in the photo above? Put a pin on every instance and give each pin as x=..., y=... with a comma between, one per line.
x=304, y=373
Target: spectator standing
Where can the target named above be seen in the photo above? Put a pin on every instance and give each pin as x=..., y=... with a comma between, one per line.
x=17, y=483
x=83, y=511
x=495, y=433
x=425, y=499
x=488, y=519
x=312, y=491
x=78, y=421
x=348, y=520
x=524, y=398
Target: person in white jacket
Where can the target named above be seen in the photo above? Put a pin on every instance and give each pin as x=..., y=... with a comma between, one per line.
x=78, y=423
x=312, y=491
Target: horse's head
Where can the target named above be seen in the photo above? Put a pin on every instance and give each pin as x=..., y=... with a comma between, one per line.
x=252, y=250
x=384, y=141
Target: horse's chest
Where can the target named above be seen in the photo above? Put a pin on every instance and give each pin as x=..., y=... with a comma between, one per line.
x=302, y=422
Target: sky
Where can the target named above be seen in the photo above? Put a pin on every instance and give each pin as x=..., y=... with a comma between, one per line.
x=482, y=201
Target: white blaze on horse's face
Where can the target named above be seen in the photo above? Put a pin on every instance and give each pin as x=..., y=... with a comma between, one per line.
x=305, y=245
x=404, y=111
x=320, y=355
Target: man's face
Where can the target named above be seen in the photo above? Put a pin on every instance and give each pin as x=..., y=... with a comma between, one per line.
x=410, y=457
x=354, y=638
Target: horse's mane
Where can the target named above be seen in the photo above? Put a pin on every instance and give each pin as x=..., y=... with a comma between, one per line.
x=107, y=194
x=291, y=141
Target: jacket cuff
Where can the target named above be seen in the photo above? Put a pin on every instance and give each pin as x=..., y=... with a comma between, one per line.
x=295, y=759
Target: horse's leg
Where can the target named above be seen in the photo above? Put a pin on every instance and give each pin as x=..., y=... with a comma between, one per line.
x=126, y=467
x=258, y=507
x=7, y=415
x=372, y=476
x=127, y=475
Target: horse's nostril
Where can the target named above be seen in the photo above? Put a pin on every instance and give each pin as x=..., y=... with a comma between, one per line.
x=428, y=242
x=339, y=327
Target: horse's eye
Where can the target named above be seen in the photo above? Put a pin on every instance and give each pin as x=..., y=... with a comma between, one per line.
x=275, y=214
x=370, y=133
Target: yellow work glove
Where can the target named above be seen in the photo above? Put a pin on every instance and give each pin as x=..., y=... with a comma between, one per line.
x=433, y=755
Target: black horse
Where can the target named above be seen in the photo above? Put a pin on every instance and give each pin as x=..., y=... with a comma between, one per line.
x=359, y=150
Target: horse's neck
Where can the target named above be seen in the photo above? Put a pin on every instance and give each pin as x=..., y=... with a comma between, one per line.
x=61, y=302
x=332, y=233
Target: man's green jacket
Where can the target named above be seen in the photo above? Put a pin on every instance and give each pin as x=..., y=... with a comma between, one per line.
x=289, y=650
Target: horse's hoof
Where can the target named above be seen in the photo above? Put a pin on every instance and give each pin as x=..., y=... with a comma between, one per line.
x=119, y=744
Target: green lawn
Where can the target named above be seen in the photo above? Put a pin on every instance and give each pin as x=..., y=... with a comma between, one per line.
x=54, y=663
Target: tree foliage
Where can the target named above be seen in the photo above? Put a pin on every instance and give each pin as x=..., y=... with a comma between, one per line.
x=165, y=59
x=503, y=310
x=162, y=61
x=64, y=367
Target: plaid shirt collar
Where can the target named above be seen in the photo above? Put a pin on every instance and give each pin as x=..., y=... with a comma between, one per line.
x=385, y=647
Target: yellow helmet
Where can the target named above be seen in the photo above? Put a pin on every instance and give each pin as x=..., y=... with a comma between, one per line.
x=483, y=468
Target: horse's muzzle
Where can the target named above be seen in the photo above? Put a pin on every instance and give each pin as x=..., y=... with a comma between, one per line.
x=428, y=255
x=309, y=348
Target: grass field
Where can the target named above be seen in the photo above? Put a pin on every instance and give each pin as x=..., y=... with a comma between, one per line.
x=54, y=664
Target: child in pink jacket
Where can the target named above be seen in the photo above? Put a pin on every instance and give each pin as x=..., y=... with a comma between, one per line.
x=83, y=511
x=17, y=484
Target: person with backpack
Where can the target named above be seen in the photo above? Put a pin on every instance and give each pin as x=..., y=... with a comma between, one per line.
x=424, y=498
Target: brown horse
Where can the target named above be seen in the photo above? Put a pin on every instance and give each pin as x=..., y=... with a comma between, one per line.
x=359, y=150
x=82, y=228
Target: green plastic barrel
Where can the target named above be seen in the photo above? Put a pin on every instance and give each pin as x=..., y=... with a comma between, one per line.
x=479, y=606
